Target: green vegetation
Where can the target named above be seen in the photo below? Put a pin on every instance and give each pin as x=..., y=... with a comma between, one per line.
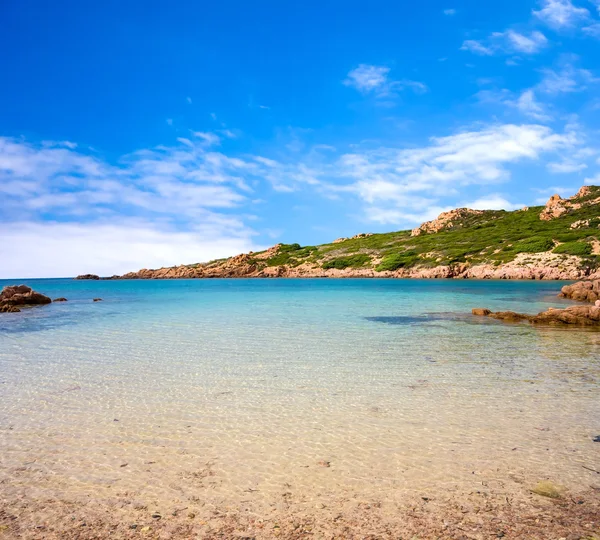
x=535, y=245
x=490, y=237
x=291, y=255
x=354, y=261
x=581, y=249
x=398, y=260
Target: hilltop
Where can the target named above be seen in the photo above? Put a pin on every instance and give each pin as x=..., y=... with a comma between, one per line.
x=557, y=241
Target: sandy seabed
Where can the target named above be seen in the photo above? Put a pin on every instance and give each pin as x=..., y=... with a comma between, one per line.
x=476, y=515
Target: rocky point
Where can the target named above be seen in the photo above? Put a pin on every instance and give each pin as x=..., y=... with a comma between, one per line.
x=14, y=297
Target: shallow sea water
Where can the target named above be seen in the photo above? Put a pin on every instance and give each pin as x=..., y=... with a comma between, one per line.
x=225, y=391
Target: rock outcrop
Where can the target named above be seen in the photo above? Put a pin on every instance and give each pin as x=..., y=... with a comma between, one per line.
x=557, y=206
x=13, y=297
x=582, y=291
x=574, y=315
x=446, y=220
x=88, y=276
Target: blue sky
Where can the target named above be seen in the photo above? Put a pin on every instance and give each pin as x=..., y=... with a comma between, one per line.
x=141, y=134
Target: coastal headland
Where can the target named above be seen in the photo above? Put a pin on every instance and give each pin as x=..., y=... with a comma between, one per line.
x=558, y=241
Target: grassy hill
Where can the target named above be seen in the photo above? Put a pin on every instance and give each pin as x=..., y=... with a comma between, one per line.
x=490, y=237
x=560, y=240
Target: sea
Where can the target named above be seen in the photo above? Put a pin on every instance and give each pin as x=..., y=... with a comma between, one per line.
x=227, y=391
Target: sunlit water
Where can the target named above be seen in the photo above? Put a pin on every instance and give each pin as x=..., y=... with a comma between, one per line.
x=230, y=390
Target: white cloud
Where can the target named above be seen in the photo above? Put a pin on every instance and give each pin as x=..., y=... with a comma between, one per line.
x=529, y=106
x=209, y=138
x=369, y=79
x=492, y=202
x=566, y=166
x=526, y=103
x=593, y=180
x=450, y=12
x=508, y=42
x=593, y=30
x=401, y=184
x=181, y=197
x=390, y=216
x=34, y=249
x=477, y=47
x=559, y=14
x=566, y=80
x=531, y=44
x=575, y=160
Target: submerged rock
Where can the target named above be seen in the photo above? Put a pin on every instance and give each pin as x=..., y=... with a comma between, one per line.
x=9, y=309
x=97, y=299
x=547, y=489
x=61, y=299
x=14, y=296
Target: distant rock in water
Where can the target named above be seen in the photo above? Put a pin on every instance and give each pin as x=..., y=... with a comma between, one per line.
x=582, y=291
x=88, y=276
x=61, y=299
x=13, y=297
x=97, y=299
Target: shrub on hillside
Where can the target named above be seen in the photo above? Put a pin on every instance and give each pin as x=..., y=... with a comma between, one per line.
x=533, y=245
x=353, y=261
x=581, y=249
x=397, y=260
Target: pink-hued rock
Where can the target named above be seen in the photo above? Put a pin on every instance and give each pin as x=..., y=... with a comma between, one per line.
x=582, y=291
x=557, y=206
x=574, y=315
x=444, y=221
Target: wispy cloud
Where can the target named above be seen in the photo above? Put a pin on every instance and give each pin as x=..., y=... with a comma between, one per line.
x=527, y=44
x=400, y=185
x=572, y=162
x=508, y=42
x=370, y=79
x=559, y=14
x=366, y=78
x=593, y=30
x=526, y=102
x=450, y=11
x=477, y=47
x=531, y=107
x=566, y=79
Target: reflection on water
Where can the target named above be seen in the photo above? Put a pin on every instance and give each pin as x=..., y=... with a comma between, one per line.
x=223, y=389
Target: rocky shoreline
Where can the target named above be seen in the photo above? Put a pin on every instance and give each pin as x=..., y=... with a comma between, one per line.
x=538, y=266
x=584, y=291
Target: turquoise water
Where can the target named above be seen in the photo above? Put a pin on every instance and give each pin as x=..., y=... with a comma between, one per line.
x=231, y=387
